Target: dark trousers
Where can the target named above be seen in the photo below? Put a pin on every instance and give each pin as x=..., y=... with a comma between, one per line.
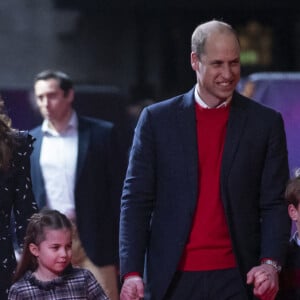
x=207, y=285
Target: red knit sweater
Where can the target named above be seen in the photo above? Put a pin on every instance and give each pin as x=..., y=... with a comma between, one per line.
x=209, y=245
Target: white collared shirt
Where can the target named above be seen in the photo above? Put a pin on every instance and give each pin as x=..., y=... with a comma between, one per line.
x=203, y=104
x=295, y=237
x=58, y=162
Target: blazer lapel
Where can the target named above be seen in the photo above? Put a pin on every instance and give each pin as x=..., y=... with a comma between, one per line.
x=83, y=145
x=36, y=171
x=186, y=121
x=236, y=124
x=37, y=152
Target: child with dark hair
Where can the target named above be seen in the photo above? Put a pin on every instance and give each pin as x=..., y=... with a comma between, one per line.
x=290, y=276
x=45, y=270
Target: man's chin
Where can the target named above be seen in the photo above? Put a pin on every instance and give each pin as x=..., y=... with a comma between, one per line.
x=224, y=96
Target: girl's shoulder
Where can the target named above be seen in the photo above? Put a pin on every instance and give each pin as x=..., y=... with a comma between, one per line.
x=23, y=280
x=78, y=272
x=83, y=276
x=21, y=287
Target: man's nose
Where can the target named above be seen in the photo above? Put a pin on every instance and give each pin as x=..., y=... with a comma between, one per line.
x=227, y=71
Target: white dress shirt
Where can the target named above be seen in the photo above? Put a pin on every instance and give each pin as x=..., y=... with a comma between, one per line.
x=58, y=162
x=203, y=104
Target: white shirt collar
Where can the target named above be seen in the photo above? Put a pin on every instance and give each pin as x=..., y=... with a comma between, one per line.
x=295, y=237
x=73, y=123
x=203, y=104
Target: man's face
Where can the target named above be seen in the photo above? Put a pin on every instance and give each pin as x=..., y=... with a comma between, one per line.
x=218, y=69
x=53, y=104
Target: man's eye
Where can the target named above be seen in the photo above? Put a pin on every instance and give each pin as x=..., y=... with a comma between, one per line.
x=216, y=64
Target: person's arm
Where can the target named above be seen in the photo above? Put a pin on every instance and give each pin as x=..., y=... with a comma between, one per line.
x=115, y=177
x=24, y=203
x=13, y=294
x=275, y=223
x=136, y=207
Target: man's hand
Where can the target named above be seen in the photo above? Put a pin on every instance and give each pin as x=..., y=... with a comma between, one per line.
x=132, y=289
x=265, y=281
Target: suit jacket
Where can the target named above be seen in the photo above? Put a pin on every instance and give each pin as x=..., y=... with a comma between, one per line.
x=15, y=196
x=161, y=188
x=97, y=187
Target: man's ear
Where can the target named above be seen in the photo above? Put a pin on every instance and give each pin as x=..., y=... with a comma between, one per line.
x=34, y=249
x=293, y=212
x=194, y=61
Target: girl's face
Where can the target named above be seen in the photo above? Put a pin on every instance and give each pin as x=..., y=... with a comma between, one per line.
x=53, y=254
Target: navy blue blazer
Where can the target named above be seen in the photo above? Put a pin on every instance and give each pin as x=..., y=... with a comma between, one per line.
x=161, y=185
x=97, y=187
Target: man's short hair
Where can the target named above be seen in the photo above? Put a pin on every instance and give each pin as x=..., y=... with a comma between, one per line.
x=64, y=80
x=202, y=32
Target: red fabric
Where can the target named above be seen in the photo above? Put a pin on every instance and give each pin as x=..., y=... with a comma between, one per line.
x=209, y=246
x=131, y=274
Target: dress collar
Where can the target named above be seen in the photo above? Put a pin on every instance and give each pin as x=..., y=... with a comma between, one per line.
x=48, y=285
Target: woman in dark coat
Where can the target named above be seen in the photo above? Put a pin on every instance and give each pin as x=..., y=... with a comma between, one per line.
x=16, y=199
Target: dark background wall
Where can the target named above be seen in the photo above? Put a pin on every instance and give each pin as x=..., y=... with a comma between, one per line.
x=137, y=48
x=159, y=34
x=136, y=45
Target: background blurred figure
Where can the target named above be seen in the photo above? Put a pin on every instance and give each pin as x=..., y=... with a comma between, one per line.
x=15, y=194
x=76, y=159
x=248, y=89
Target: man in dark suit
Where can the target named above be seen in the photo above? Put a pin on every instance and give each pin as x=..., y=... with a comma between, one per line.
x=75, y=169
x=202, y=210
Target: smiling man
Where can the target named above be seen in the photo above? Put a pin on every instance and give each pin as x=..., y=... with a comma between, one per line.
x=202, y=212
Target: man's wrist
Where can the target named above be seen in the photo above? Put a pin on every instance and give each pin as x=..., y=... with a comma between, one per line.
x=131, y=274
x=271, y=262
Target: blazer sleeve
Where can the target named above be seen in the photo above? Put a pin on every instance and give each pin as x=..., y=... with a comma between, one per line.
x=137, y=198
x=275, y=222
